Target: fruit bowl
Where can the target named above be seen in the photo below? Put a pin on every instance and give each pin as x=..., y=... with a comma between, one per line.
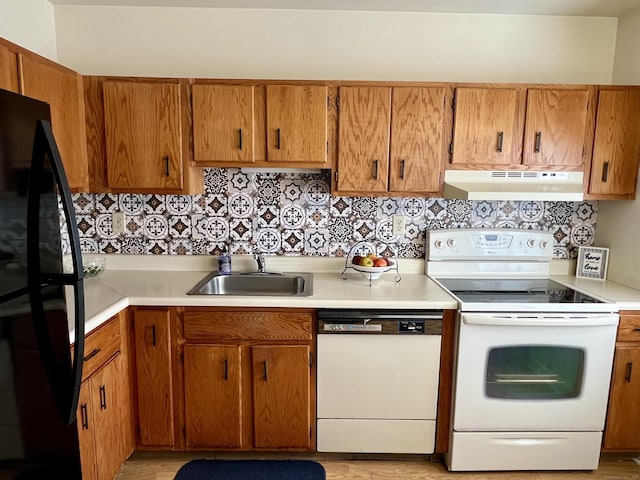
x=371, y=272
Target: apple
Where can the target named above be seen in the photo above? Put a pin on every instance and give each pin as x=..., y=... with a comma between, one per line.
x=356, y=259
x=372, y=256
x=380, y=262
x=366, y=262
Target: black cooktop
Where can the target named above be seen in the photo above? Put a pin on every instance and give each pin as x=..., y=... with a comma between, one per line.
x=512, y=290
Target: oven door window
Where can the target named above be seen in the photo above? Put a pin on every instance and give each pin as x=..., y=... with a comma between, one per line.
x=534, y=372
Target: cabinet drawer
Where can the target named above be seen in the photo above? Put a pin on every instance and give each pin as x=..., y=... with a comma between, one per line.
x=202, y=326
x=100, y=345
x=629, y=328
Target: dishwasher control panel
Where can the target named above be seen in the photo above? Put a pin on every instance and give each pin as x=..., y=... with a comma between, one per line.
x=411, y=326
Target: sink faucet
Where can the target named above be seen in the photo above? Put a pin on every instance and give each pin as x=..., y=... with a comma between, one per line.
x=261, y=262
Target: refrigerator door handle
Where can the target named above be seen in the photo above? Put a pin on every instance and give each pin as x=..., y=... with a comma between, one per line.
x=66, y=390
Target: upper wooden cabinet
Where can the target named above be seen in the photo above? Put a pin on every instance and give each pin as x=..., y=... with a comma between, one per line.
x=62, y=89
x=518, y=127
x=297, y=123
x=260, y=125
x=616, y=148
x=145, y=137
x=9, y=70
x=390, y=139
x=223, y=123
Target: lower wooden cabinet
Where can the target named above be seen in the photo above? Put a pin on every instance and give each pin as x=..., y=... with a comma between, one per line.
x=249, y=379
x=105, y=427
x=623, y=415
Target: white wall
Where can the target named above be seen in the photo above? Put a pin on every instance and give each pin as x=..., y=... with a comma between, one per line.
x=619, y=222
x=30, y=24
x=342, y=45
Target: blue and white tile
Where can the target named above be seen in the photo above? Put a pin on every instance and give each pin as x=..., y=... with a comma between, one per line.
x=154, y=204
x=316, y=241
x=384, y=231
x=134, y=246
x=213, y=229
x=104, y=227
x=83, y=203
x=340, y=206
x=267, y=240
x=216, y=180
x=240, y=205
x=131, y=203
x=582, y=234
x=364, y=230
x=292, y=241
x=267, y=190
x=240, y=230
x=413, y=207
x=365, y=208
x=341, y=230
x=180, y=226
x=240, y=182
x=268, y=216
x=134, y=226
x=292, y=216
x=155, y=227
x=106, y=202
x=316, y=192
x=178, y=204
x=317, y=216
x=292, y=191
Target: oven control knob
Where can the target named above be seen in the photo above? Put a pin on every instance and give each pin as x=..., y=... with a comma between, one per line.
x=544, y=244
x=438, y=243
x=451, y=242
x=531, y=242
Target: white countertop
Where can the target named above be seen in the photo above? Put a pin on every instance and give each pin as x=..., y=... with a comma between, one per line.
x=134, y=280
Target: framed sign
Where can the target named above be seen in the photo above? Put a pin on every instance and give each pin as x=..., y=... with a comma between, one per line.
x=592, y=262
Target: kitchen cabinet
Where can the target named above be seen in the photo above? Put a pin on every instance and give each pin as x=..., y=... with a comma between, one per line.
x=297, y=124
x=104, y=408
x=390, y=139
x=616, y=148
x=62, y=89
x=623, y=415
x=146, y=137
x=507, y=127
x=249, y=379
x=154, y=362
x=260, y=125
x=223, y=123
x=8, y=69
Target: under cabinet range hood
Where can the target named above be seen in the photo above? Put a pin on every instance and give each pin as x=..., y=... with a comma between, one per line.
x=513, y=185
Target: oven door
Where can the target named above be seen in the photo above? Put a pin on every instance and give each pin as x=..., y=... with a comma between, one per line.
x=518, y=372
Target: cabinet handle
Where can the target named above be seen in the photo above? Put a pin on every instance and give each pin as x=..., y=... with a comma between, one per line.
x=278, y=138
x=375, y=169
x=240, y=138
x=627, y=372
x=264, y=368
x=226, y=369
x=538, y=142
x=93, y=353
x=166, y=165
x=401, y=169
x=605, y=171
x=103, y=398
x=500, y=141
x=84, y=417
x=153, y=335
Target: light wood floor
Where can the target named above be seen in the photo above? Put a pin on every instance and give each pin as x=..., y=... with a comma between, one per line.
x=163, y=466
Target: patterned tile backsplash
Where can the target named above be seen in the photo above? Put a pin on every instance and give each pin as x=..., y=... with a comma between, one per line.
x=295, y=214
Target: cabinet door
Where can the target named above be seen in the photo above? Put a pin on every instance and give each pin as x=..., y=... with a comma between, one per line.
x=416, y=139
x=297, y=123
x=154, y=378
x=62, y=90
x=485, y=127
x=212, y=376
x=143, y=135
x=8, y=70
x=223, y=119
x=616, y=150
x=623, y=417
x=363, y=139
x=555, y=127
x=86, y=433
x=281, y=389
x=112, y=417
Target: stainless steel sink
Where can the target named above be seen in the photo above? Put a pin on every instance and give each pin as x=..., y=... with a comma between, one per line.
x=256, y=284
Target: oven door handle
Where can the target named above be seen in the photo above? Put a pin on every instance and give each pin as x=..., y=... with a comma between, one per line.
x=565, y=320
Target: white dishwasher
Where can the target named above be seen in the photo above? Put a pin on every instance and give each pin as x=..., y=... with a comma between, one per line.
x=378, y=374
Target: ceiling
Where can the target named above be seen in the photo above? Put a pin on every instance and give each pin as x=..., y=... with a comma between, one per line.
x=593, y=8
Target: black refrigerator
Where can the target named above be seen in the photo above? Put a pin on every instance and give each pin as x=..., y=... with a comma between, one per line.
x=41, y=302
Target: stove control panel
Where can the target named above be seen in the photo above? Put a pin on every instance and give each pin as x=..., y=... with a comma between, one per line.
x=489, y=244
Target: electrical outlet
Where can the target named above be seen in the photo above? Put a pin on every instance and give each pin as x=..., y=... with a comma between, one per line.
x=398, y=224
x=117, y=220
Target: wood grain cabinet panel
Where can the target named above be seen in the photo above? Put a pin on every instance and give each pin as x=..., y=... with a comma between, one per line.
x=486, y=127
x=8, y=70
x=213, y=387
x=282, y=396
x=363, y=139
x=616, y=149
x=416, y=139
x=152, y=334
x=143, y=132
x=297, y=123
x=223, y=123
x=62, y=89
x=555, y=127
